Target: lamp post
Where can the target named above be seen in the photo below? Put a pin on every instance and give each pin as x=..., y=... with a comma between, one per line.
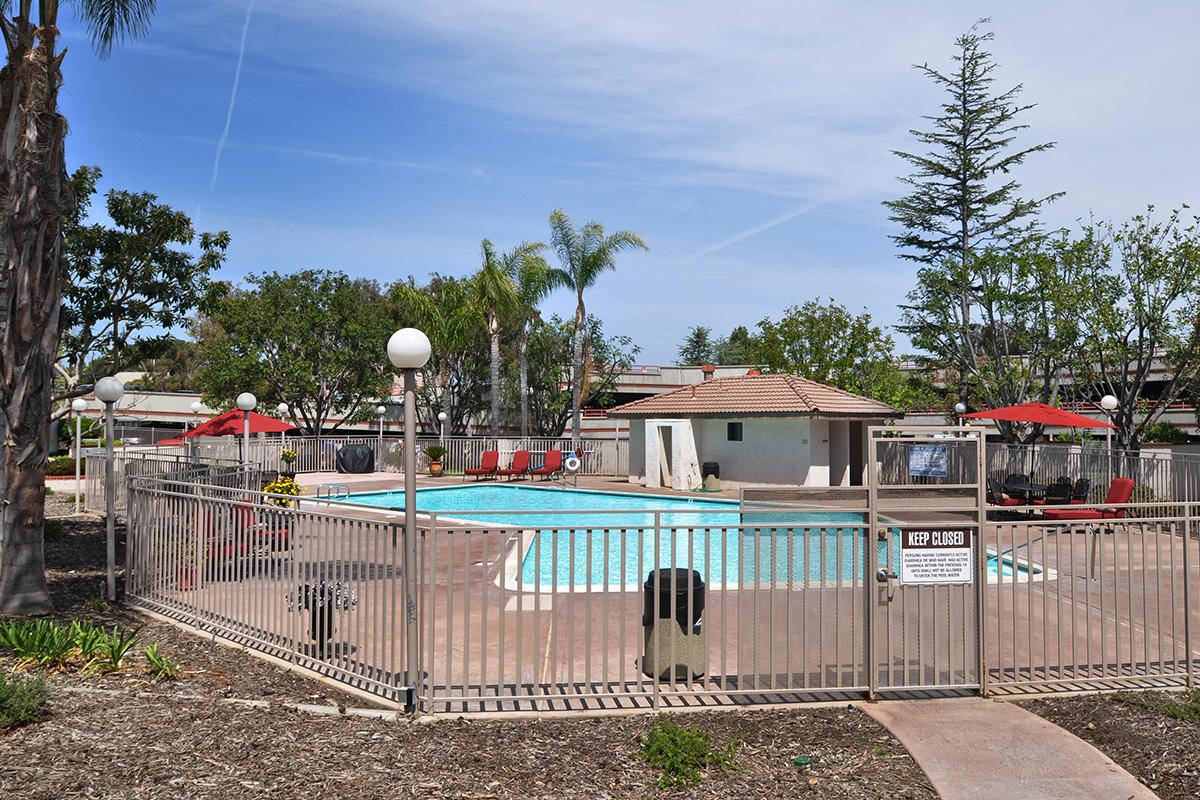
x=197, y=407
x=247, y=403
x=380, y=411
x=960, y=408
x=442, y=417
x=1109, y=404
x=109, y=391
x=409, y=350
x=78, y=405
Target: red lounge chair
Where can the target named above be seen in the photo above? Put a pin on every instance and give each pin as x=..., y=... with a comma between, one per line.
x=1119, y=493
x=488, y=466
x=519, y=466
x=552, y=466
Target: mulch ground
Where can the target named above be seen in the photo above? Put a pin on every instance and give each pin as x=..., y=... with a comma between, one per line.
x=1161, y=751
x=122, y=736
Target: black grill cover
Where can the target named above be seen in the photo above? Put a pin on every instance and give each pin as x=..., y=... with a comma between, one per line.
x=355, y=458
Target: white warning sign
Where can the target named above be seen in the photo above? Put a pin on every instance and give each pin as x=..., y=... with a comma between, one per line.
x=936, y=556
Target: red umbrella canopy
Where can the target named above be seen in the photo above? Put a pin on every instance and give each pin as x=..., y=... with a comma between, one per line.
x=1040, y=412
x=230, y=424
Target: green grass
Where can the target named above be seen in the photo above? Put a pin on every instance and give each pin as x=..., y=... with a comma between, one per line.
x=683, y=755
x=1188, y=710
x=22, y=698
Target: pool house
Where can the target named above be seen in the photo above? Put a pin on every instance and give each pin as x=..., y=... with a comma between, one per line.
x=752, y=429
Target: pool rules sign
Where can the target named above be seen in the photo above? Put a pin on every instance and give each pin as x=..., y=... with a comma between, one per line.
x=936, y=556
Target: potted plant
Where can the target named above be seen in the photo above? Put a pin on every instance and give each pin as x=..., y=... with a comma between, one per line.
x=288, y=457
x=320, y=600
x=435, y=453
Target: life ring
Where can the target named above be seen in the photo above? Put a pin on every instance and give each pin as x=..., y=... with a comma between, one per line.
x=571, y=464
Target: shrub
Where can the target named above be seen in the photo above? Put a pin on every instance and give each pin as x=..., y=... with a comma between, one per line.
x=683, y=754
x=435, y=452
x=88, y=639
x=53, y=531
x=161, y=667
x=64, y=466
x=288, y=456
x=22, y=698
x=1164, y=432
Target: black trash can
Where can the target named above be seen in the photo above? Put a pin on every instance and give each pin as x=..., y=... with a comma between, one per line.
x=710, y=468
x=669, y=589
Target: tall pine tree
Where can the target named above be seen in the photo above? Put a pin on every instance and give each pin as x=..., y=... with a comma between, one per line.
x=964, y=208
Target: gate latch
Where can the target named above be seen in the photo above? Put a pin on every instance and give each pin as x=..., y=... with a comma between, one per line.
x=884, y=575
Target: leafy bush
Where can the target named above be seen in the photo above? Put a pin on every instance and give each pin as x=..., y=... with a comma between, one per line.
x=64, y=466
x=1164, y=432
x=53, y=531
x=683, y=754
x=288, y=456
x=88, y=639
x=22, y=698
x=434, y=452
x=161, y=667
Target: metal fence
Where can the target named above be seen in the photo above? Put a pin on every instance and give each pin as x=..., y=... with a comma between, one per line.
x=1157, y=475
x=786, y=595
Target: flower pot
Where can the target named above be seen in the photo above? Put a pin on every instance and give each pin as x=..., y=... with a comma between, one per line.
x=435, y=469
x=320, y=625
x=287, y=474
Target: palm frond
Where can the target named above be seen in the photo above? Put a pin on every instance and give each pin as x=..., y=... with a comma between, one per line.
x=110, y=22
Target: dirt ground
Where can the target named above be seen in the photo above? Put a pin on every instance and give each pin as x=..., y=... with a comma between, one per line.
x=1161, y=751
x=225, y=730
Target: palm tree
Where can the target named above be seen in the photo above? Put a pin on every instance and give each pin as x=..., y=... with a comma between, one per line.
x=534, y=282
x=496, y=287
x=584, y=253
x=35, y=192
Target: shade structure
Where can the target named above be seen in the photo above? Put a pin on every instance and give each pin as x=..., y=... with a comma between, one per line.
x=1039, y=413
x=230, y=424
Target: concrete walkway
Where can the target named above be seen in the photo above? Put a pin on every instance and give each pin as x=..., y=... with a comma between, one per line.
x=983, y=749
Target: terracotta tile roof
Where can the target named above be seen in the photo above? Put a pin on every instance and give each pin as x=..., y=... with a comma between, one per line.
x=749, y=395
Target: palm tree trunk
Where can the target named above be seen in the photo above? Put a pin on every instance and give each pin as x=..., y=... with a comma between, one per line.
x=494, y=427
x=577, y=371
x=34, y=192
x=523, y=369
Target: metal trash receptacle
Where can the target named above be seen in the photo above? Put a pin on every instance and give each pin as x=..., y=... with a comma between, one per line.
x=673, y=639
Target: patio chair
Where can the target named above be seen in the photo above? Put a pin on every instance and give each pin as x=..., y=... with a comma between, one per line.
x=1057, y=494
x=1119, y=492
x=996, y=497
x=1016, y=477
x=518, y=467
x=489, y=465
x=553, y=465
x=1079, y=494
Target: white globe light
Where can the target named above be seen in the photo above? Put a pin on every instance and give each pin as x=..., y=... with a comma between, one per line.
x=281, y=409
x=109, y=390
x=79, y=405
x=197, y=407
x=960, y=409
x=380, y=410
x=1109, y=403
x=408, y=349
x=246, y=401
x=443, y=416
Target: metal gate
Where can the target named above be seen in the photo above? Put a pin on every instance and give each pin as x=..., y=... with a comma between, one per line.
x=927, y=566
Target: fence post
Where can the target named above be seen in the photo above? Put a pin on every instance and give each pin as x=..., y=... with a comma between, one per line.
x=1187, y=595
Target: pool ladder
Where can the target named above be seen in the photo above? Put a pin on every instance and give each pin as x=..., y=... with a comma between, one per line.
x=333, y=491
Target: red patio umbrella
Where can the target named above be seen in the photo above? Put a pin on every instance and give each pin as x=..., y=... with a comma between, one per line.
x=1040, y=413
x=230, y=424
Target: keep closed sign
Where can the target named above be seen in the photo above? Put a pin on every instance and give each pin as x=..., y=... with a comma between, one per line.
x=936, y=556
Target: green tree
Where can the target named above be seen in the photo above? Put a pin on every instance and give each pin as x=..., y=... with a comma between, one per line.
x=533, y=285
x=550, y=349
x=314, y=339
x=36, y=201
x=963, y=203
x=736, y=348
x=1138, y=301
x=697, y=348
x=828, y=344
x=127, y=279
x=448, y=311
x=496, y=286
x=584, y=253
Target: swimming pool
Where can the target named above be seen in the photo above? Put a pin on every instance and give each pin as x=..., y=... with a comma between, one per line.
x=608, y=539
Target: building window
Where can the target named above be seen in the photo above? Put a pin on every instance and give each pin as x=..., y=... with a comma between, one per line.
x=733, y=431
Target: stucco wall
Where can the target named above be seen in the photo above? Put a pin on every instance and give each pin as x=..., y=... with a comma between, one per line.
x=637, y=449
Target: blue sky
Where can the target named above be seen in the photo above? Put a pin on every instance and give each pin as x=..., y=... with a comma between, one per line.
x=747, y=142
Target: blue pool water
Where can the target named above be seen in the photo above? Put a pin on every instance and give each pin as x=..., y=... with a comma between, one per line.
x=613, y=543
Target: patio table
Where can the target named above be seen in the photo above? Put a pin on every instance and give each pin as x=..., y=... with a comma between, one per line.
x=1026, y=490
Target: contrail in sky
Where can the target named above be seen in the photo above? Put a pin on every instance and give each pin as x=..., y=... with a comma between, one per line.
x=757, y=229
x=237, y=79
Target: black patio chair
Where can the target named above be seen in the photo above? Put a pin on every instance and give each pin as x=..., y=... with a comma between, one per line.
x=1079, y=495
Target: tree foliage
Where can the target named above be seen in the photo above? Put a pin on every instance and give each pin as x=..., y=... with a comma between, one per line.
x=697, y=347
x=963, y=220
x=314, y=339
x=130, y=282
